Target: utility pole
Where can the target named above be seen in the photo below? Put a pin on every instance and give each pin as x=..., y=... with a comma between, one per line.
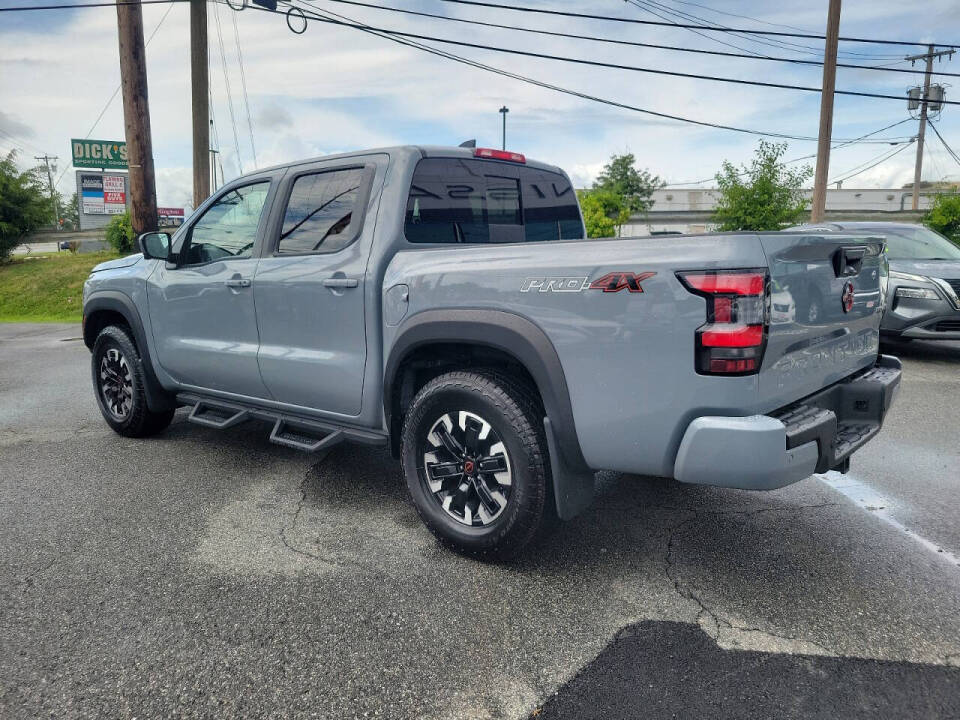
x=200, y=91
x=53, y=195
x=929, y=55
x=213, y=167
x=826, y=113
x=136, y=118
x=503, y=111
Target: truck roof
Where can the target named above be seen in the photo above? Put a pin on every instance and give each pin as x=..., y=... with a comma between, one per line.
x=408, y=150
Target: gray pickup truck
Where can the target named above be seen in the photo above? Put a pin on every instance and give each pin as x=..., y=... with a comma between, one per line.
x=445, y=302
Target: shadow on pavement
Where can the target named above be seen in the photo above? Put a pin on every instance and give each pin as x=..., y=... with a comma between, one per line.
x=662, y=669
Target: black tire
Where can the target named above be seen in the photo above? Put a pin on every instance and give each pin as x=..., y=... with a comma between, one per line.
x=514, y=418
x=118, y=384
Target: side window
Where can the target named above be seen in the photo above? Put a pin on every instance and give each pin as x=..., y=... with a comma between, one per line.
x=447, y=203
x=550, y=210
x=476, y=201
x=319, y=215
x=228, y=228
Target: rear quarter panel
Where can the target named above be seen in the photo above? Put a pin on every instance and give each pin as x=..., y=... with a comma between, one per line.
x=628, y=358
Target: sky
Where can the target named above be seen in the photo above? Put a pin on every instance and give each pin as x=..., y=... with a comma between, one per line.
x=334, y=89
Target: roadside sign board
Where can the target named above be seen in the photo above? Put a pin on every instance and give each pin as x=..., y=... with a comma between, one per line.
x=170, y=212
x=104, y=154
x=101, y=195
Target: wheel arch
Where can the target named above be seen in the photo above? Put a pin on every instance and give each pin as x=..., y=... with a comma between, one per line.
x=112, y=308
x=506, y=335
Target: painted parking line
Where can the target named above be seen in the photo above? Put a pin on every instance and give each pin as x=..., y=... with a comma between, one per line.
x=866, y=498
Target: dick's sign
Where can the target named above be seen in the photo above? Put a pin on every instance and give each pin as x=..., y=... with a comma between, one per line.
x=106, y=154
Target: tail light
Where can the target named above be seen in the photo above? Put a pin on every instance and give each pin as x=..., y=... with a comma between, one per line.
x=492, y=154
x=732, y=340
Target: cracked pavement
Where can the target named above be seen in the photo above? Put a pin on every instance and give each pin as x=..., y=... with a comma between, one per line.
x=212, y=573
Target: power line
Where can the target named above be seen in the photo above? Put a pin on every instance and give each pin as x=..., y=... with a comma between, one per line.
x=243, y=83
x=588, y=16
x=944, y=142
x=114, y=95
x=226, y=82
x=871, y=166
x=20, y=143
x=538, y=83
x=747, y=55
x=742, y=17
x=711, y=38
x=597, y=63
x=780, y=44
x=545, y=11
x=838, y=146
x=68, y=6
x=673, y=15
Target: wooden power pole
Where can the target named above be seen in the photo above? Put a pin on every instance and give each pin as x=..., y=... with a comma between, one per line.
x=929, y=55
x=200, y=84
x=826, y=113
x=136, y=118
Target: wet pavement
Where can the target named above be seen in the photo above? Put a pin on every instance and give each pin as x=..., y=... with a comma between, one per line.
x=212, y=573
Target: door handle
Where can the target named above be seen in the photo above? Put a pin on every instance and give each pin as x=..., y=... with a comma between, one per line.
x=238, y=282
x=341, y=282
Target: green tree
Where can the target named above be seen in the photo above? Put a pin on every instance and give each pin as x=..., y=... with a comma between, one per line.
x=621, y=177
x=944, y=216
x=71, y=213
x=23, y=205
x=764, y=196
x=120, y=233
x=604, y=212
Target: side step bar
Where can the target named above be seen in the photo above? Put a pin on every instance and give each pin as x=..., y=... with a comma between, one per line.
x=284, y=433
x=299, y=433
x=219, y=418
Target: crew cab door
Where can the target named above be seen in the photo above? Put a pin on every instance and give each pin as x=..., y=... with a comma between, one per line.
x=201, y=306
x=310, y=286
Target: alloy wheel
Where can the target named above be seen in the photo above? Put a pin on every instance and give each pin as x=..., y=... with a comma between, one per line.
x=466, y=468
x=116, y=383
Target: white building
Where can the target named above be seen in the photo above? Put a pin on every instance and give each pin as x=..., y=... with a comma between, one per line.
x=688, y=210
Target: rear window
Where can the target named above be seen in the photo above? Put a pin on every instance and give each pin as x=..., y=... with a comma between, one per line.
x=474, y=201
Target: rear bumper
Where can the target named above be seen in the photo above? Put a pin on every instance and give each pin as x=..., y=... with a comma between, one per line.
x=816, y=434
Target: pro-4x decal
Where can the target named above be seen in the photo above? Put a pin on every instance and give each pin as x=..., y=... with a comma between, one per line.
x=610, y=283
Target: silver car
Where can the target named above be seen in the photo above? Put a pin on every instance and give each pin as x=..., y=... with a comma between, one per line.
x=923, y=295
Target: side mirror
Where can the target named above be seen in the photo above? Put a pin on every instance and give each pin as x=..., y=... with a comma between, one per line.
x=155, y=245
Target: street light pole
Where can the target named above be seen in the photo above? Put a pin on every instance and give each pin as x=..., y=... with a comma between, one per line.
x=503, y=111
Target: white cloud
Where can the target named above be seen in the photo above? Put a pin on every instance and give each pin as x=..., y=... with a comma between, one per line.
x=334, y=89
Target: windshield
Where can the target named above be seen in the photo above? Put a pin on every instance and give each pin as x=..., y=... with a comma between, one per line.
x=919, y=243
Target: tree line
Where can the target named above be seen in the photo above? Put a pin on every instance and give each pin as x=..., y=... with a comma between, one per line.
x=764, y=195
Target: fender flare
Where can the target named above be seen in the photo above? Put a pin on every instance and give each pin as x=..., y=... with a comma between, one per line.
x=118, y=302
x=528, y=345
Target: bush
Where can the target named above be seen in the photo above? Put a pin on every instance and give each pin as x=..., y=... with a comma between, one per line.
x=944, y=216
x=604, y=212
x=120, y=233
x=765, y=195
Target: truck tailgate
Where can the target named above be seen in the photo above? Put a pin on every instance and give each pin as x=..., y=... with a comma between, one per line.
x=825, y=309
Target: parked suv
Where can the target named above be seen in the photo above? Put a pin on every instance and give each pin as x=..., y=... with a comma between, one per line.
x=923, y=297
x=445, y=302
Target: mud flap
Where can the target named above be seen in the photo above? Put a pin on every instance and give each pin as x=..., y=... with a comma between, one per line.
x=573, y=488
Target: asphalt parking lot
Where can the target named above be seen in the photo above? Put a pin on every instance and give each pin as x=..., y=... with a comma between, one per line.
x=212, y=573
